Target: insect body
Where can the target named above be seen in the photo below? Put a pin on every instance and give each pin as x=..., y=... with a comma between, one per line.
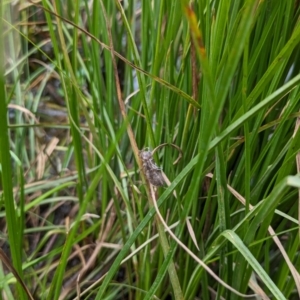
x=152, y=171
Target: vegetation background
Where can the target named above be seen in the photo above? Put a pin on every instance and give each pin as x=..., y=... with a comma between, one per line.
x=85, y=85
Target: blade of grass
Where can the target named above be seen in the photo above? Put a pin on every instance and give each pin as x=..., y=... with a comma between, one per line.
x=14, y=234
x=237, y=242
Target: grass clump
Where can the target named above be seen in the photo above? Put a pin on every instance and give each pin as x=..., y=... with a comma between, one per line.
x=86, y=85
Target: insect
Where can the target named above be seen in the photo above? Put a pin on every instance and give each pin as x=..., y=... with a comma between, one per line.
x=152, y=171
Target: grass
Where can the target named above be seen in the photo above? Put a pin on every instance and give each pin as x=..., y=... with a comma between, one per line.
x=85, y=85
